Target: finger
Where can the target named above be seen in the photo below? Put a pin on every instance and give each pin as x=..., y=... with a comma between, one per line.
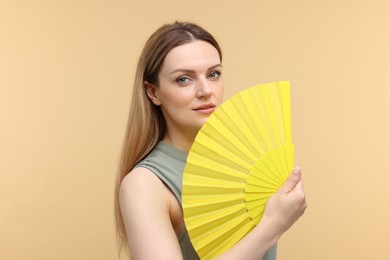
x=299, y=194
x=299, y=187
x=292, y=180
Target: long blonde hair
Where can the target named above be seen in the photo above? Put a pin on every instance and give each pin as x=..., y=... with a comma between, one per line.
x=146, y=125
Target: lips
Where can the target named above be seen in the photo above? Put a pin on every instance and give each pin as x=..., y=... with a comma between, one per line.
x=205, y=108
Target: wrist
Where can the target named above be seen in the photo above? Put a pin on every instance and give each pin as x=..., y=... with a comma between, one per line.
x=271, y=233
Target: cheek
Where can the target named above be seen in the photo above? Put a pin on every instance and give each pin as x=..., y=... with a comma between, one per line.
x=220, y=95
x=179, y=98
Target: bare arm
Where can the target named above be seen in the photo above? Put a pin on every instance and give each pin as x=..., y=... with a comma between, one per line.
x=146, y=213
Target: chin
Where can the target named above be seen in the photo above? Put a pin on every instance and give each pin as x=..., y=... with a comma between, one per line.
x=197, y=124
x=203, y=121
x=197, y=127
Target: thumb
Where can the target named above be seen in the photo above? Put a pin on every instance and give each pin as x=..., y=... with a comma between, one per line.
x=292, y=180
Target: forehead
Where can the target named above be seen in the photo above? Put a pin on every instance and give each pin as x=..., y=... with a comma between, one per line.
x=192, y=55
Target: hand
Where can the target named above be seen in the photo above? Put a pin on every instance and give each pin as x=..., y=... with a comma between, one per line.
x=286, y=206
x=281, y=212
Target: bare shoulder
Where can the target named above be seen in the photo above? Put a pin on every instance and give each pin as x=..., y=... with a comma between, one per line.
x=145, y=204
x=141, y=191
x=140, y=181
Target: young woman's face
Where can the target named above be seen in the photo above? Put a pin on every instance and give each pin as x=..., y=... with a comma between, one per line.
x=190, y=86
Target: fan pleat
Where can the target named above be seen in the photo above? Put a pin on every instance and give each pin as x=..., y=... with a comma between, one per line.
x=240, y=158
x=210, y=201
x=228, y=242
x=214, y=218
x=286, y=104
x=277, y=116
x=256, y=209
x=216, y=169
x=252, y=197
x=207, y=183
x=258, y=144
x=268, y=163
x=205, y=142
x=240, y=128
x=256, y=116
x=290, y=156
x=222, y=234
x=260, y=176
x=228, y=141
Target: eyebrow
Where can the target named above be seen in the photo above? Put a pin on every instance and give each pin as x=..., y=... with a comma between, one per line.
x=193, y=71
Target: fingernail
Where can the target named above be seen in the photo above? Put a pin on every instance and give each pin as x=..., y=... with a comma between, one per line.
x=296, y=170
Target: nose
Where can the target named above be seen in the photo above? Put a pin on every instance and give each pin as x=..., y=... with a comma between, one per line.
x=204, y=89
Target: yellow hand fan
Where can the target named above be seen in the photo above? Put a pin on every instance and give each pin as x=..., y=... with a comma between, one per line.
x=241, y=156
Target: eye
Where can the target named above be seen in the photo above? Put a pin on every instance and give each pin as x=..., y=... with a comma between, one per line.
x=215, y=74
x=183, y=80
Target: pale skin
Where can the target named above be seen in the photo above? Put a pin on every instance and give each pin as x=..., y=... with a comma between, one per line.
x=190, y=88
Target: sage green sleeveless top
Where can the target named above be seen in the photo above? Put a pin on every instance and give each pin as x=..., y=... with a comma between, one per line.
x=168, y=163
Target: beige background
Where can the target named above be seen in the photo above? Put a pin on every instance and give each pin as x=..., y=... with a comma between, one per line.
x=66, y=69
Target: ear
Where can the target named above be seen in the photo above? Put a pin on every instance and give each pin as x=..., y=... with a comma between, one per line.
x=151, y=92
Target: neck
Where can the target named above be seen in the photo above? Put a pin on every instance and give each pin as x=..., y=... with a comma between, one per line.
x=180, y=142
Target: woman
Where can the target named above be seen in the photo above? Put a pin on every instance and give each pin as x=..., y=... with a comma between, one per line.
x=178, y=84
